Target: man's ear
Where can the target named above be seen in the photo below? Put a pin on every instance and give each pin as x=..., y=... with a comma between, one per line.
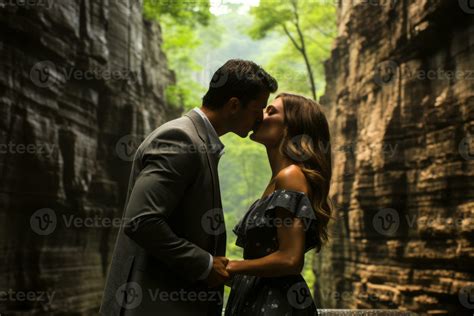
x=234, y=105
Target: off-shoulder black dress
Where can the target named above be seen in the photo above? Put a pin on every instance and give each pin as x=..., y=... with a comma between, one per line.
x=257, y=235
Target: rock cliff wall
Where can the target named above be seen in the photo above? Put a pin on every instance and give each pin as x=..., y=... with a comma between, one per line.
x=400, y=92
x=81, y=82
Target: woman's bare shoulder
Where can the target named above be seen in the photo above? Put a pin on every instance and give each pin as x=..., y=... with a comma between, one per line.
x=292, y=178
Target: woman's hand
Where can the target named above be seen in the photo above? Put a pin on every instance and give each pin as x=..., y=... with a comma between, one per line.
x=230, y=267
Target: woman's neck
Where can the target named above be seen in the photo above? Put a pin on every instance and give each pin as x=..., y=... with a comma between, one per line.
x=277, y=161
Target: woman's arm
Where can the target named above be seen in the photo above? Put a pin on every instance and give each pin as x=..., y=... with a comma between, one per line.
x=289, y=258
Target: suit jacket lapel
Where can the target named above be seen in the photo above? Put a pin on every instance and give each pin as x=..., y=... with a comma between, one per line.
x=220, y=240
x=212, y=161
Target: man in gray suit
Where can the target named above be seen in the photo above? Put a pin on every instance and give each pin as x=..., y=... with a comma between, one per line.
x=169, y=257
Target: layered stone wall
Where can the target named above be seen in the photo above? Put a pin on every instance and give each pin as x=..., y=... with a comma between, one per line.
x=81, y=82
x=400, y=93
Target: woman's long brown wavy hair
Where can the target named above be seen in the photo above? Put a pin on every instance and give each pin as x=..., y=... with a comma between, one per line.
x=307, y=143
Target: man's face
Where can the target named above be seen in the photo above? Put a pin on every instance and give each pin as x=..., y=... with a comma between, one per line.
x=249, y=117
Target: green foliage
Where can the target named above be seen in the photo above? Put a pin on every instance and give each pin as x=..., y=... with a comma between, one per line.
x=183, y=12
x=274, y=15
x=244, y=174
x=289, y=70
x=317, y=22
x=180, y=21
x=269, y=16
x=308, y=273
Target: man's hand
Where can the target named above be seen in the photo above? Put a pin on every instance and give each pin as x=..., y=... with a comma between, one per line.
x=218, y=274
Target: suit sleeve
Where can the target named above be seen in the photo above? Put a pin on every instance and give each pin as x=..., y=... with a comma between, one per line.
x=169, y=166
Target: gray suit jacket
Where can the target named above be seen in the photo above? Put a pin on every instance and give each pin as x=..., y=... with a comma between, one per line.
x=172, y=220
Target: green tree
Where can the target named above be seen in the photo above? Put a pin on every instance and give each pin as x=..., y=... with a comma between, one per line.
x=180, y=21
x=304, y=22
x=183, y=12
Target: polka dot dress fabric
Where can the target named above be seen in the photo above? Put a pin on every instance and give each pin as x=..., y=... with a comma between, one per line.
x=257, y=235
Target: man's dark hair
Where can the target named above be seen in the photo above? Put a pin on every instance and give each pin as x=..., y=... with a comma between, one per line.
x=238, y=78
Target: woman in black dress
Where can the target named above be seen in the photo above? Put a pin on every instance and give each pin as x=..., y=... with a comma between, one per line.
x=290, y=218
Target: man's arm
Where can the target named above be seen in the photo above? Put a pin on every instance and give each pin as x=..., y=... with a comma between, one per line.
x=205, y=274
x=170, y=166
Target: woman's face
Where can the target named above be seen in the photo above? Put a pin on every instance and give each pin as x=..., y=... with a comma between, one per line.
x=271, y=130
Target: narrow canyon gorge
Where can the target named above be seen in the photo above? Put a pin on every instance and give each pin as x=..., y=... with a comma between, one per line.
x=83, y=82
